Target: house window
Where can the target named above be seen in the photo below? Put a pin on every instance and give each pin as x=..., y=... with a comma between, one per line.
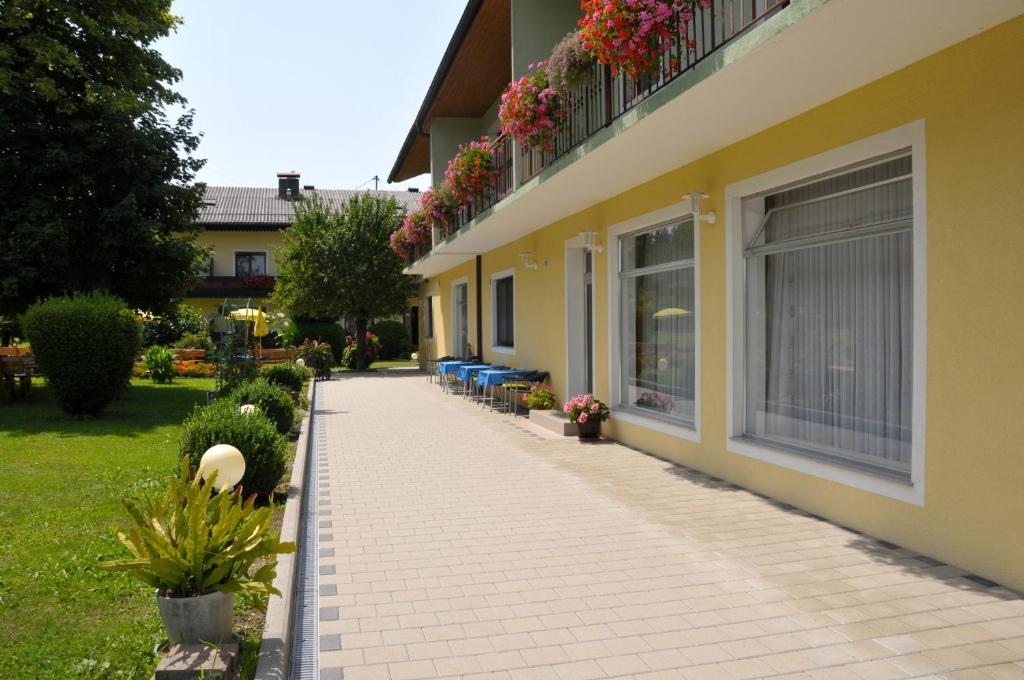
x=503, y=304
x=658, y=322
x=250, y=264
x=428, y=317
x=829, y=317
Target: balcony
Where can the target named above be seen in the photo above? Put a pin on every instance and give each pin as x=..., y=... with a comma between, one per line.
x=755, y=64
x=232, y=286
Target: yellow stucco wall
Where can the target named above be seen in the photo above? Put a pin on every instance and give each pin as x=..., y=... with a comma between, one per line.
x=226, y=243
x=971, y=97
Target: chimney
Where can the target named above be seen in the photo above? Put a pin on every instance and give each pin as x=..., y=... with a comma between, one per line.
x=288, y=185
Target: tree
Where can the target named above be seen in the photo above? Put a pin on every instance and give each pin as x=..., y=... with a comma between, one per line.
x=96, y=189
x=337, y=263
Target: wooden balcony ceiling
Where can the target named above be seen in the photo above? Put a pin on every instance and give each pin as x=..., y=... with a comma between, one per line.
x=475, y=69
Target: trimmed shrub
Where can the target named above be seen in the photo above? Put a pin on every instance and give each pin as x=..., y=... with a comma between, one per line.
x=297, y=332
x=271, y=400
x=254, y=435
x=199, y=340
x=172, y=326
x=394, y=340
x=86, y=345
x=288, y=376
x=159, y=363
x=236, y=372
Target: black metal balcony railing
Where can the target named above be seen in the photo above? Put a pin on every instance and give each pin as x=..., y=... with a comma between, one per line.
x=501, y=187
x=601, y=98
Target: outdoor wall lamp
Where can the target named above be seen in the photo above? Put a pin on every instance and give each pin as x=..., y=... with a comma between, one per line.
x=528, y=261
x=590, y=241
x=694, y=198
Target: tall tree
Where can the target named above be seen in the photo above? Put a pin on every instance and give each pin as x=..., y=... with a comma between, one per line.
x=97, y=183
x=336, y=263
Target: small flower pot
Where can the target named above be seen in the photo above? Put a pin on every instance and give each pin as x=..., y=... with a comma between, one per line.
x=194, y=620
x=589, y=430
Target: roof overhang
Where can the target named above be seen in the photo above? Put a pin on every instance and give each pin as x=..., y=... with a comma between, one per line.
x=475, y=69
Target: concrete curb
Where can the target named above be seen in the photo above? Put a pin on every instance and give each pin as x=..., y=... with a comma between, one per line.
x=276, y=644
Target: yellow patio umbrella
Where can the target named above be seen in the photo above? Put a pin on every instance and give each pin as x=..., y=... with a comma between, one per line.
x=670, y=311
x=257, y=318
x=246, y=314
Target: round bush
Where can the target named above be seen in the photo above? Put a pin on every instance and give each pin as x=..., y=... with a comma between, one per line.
x=394, y=340
x=271, y=400
x=254, y=435
x=288, y=376
x=298, y=331
x=86, y=345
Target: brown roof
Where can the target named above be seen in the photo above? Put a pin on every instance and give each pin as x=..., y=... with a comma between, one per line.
x=261, y=208
x=475, y=69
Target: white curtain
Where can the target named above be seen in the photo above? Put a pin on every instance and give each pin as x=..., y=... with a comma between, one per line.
x=830, y=323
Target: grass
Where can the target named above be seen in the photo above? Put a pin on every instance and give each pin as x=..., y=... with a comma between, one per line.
x=381, y=365
x=61, y=483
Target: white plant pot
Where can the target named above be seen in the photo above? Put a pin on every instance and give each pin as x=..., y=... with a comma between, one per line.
x=193, y=620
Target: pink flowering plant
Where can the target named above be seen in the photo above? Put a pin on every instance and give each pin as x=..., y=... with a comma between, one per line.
x=585, y=407
x=531, y=110
x=439, y=207
x=631, y=35
x=472, y=171
x=401, y=245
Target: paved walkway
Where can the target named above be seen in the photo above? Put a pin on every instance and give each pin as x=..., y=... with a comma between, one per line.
x=460, y=543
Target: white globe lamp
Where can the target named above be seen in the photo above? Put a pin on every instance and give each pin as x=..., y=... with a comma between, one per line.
x=247, y=409
x=227, y=461
x=300, y=362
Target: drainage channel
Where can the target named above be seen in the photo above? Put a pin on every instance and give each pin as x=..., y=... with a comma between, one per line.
x=305, y=627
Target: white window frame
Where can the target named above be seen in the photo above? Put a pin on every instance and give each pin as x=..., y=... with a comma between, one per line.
x=455, y=340
x=428, y=309
x=910, y=136
x=250, y=251
x=503, y=274
x=676, y=211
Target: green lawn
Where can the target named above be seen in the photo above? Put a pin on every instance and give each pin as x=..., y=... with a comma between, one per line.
x=380, y=365
x=61, y=484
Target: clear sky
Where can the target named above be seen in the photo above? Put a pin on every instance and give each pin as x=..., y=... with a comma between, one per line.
x=325, y=87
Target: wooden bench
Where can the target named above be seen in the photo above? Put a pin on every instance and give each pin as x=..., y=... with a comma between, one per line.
x=277, y=355
x=15, y=376
x=15, y=351
x=190, y=354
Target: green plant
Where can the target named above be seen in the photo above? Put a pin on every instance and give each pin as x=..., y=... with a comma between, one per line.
x=254, y=435
x=270, y=399
x=200, y=340
x=298, y=331
x=237, y=371
x=159, y=363
x=169, y=328
x=394, y=339
x=541, y=398
x=191, y=542
x=289, y=376
x=569, y=64
x=371, y=348
x=318, y=358
x=86, y=345
x=10, y=330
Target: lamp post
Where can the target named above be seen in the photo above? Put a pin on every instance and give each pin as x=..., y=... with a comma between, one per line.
x=227, y=461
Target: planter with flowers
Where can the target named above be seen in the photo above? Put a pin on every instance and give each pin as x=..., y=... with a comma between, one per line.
x=439, y=208
x=631, y=36
x=569, y=65
x=588, y=413
x=471, y=173
x=531, y=111
x=401, y=245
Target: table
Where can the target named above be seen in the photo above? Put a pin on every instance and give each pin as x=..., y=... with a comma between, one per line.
x=493, y=378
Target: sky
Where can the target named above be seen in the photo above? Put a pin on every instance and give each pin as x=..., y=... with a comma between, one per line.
x=328, y=88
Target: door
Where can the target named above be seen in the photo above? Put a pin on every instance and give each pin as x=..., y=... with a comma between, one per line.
x=579, y=318
x=460, y=319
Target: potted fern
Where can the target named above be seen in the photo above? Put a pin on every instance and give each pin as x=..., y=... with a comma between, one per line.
x=197, y=548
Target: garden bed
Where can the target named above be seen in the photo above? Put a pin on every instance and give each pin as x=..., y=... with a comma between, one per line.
x=62, y=480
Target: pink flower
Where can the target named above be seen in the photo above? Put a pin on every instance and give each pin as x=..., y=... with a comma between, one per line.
x=582, y=418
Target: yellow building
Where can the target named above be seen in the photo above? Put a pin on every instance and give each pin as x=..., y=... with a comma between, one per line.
x=243, y=227
x=792, y=263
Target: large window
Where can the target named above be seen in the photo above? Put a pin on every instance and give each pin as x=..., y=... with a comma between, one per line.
x=829, y=317
x=250, y=264
x=658, y=322
x=428, y=317
x=503, y=306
